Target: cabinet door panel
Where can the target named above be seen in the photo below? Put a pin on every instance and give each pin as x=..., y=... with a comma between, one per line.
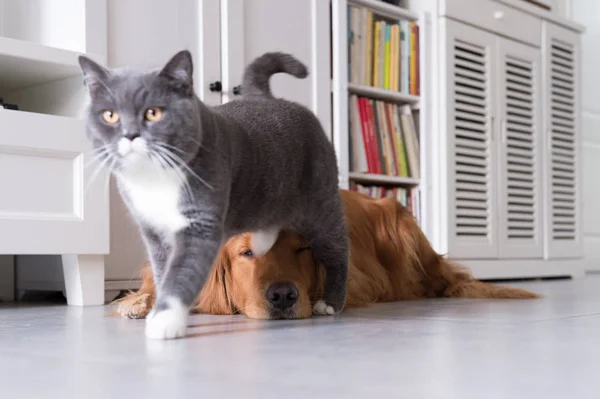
x=520, y=225
x=561, y=59
x=468, y=119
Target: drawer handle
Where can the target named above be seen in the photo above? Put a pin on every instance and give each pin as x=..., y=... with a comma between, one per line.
x=498, y=15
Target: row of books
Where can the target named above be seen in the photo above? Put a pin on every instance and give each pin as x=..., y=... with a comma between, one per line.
x=383, y=138
x=383, y=54
x=409, y=197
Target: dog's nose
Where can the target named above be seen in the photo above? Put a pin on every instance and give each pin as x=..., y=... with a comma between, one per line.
x=282, y=295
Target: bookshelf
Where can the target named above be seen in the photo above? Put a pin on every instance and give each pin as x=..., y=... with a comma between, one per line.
x=354, y=84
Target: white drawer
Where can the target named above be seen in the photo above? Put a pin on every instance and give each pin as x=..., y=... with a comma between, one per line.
x=495, y=17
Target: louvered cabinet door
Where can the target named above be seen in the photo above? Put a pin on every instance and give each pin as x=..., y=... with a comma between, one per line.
x=468, y=119
x=520, y=216
x=561, y=60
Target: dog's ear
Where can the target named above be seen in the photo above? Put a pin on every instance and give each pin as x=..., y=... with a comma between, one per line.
x=214, y=298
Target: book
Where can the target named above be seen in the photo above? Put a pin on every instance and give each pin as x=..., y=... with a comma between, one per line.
x=388, y=57
x=405, y=50
x=368, y=78
x=373, y=138
x=381, y=53
x=361, y=44
x=366, y=134
x=389, y=110
x=376, y=35
x=379, y=137
x=413, y=57
x=410, y=140
x=399, y=144
x=357, y=142
x=394, y=55
x=384, y=137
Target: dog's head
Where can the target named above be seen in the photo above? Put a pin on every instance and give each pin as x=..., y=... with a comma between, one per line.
x=282, y=284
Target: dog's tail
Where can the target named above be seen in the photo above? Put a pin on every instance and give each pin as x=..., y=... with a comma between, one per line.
x=437, y=276
x=462, y=285
x=256, y=78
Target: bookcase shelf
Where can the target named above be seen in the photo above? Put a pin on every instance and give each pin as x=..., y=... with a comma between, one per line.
x=385, y=9
x=351, y=88
x=382, y=94
x=25, y=64
x=371, y=178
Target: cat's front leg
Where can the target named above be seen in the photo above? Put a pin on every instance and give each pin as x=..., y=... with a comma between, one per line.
x=194, y=250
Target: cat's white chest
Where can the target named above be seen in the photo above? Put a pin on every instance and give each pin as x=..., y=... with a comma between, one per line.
x=155, y=197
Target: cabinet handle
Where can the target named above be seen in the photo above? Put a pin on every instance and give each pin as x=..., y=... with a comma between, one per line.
x=498, y=14
x=215, y=86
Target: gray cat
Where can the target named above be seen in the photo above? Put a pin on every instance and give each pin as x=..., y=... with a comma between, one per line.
x=193, y=175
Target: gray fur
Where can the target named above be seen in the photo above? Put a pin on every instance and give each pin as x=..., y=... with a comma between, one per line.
x=265, y=162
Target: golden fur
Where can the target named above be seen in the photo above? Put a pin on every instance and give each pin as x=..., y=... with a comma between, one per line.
x=390, y=260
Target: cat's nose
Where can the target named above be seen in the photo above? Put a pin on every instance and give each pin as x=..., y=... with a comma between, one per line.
x=132, y=135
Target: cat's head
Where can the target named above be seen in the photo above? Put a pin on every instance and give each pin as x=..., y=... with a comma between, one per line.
x=143, y=117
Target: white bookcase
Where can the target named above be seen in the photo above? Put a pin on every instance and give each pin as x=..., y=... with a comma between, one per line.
x=47, y=205
x=342, y=89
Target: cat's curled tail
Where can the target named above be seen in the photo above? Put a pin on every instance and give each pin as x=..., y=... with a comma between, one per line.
x=255, y=83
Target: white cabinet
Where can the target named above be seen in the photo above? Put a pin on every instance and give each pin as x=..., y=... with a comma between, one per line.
x=507, y=185
x=50, y=203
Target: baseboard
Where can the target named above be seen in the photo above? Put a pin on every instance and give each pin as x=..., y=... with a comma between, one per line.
x=516, y=269
x=7, y=278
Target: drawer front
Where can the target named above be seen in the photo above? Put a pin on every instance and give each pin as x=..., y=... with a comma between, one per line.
x=49, y=203
x=495, y=17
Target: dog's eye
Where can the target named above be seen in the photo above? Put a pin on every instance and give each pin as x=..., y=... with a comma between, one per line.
x=248, y=253
x=302, y=249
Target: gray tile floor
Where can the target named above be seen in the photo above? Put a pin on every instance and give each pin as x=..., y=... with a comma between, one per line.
x=549, y=348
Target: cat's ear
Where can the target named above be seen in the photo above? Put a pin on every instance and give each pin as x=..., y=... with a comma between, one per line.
x=179, y=71
x=94, y=74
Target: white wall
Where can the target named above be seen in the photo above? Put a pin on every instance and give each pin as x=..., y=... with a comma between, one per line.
x=587, y=12
x=301, y=27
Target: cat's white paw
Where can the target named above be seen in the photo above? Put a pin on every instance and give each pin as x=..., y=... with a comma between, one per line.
x=169, y=323
x=322, y=309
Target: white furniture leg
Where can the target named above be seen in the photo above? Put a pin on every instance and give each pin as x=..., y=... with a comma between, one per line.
x=84, y=279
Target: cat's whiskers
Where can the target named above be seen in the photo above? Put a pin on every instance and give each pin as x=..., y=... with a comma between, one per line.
x=96, y=172
x=172, y=147
x=180, y=162
x=96, y=154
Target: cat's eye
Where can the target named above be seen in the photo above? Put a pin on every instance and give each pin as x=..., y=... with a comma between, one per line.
x=153, y=114
x=302, y=249
x=111, y=116
x=248, y=253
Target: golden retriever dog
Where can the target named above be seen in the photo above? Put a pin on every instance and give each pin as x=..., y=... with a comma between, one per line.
x=390, y=260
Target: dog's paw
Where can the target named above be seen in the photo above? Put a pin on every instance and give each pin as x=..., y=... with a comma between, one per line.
x=321, y=308
x=136, y=306
x=169, y=323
